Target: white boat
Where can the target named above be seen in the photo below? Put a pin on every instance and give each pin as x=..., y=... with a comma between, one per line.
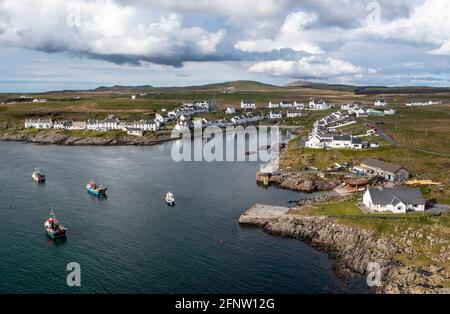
x=169, y=199
x=38, y=176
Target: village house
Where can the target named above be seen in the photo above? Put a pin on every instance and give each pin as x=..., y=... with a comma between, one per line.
x=230, y=110
x=135, y=131
x=380, y=103
x=396, y=200
x=93, y=125
x=77, y=126
x=39, y=100
x=293, y=114
x=273, y=105
x=286, y=104
x=318, y=105
x=62, y=125
x=248, y=104
x=389, y=112
x=383, y=169
x=110, y=123
x=183, y=126
x=144, y=125
x=162, y=119
x=38, y=124
x=334, y=141
x=275, y=115
x=299, y=106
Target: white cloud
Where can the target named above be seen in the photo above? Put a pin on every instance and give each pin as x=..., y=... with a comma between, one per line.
x=291, y=35
x=310, y=67
x=106, y=30
x=228, y=8
x=428, y=23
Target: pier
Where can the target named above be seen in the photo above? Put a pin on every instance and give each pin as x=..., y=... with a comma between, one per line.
x=259, y=214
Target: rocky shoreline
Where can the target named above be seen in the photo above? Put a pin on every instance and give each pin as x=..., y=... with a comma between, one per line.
x=353, y=249
x=298, y=182
x=56, y=138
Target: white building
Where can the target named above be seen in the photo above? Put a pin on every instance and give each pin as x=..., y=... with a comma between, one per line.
x=318, y=105
x=133, y=97
x=299, y=106
x=39, y=100
x=380, y=103
x=248, y=104
x=293, y=114
x=230, y=110
x=135, y=131
x=333, y=141
x=273, y=105
x=182, y=126
x=396, y=200
x=77, y=126
x=390, y=112
x=61, y=125
x=38, y=124
x=162, y=119
x=286, y=104
x=275, y=115
x=110, y=123
x=144, y=125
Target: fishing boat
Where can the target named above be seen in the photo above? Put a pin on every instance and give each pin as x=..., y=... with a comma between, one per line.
x=169, y=199
x=95, y=189
x=38, y=176
x=54, y=229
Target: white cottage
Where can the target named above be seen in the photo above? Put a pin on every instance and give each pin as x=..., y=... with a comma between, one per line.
x=396, y=200
x=248, y=104
x=275, y=115
x=38, y=124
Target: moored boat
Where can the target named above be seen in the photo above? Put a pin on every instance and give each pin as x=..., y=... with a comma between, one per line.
x=169, y=199
x=54, y=229
x=38, y=176
x=95, y=189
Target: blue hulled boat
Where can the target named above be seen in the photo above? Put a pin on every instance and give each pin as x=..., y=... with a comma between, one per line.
x=95, y=189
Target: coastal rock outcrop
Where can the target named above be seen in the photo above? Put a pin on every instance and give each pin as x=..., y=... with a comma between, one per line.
x=353, y=250
x=55, y=138
x=303, y=183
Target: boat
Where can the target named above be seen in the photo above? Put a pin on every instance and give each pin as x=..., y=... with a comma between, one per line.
x=38, y=176
x=95, y=189
x=169, y=199
x=54, y=229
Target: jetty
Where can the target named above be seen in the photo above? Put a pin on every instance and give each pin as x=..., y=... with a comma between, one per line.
x=259, y=214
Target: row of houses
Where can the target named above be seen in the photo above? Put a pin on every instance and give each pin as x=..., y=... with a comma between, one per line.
x=184, y=113
x=286, y=105
x=243, y=119
x=313, y=105
x=322, y=137
x=279, y=115
x=361, y=112
x=108, y=124
x=423, y=104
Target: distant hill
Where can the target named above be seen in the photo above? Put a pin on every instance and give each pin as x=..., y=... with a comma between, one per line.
x=238, y=85
x=243, y=86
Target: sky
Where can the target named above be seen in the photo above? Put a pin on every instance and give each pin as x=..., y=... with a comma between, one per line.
x=81, y=44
